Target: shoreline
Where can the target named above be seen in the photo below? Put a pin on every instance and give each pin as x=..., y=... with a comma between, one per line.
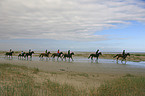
x=58, y=66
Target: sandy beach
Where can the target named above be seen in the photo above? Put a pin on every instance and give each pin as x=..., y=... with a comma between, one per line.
x=56, y=66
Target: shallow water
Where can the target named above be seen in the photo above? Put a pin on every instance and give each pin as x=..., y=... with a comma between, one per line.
x=85, y=60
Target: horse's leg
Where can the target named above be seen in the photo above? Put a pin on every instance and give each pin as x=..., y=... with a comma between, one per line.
x=122, y=60
x=117, y=60
x=92, y=58
x=27, y=57
x=125, y=61
x=9, y=56
x=72, y=59
x=61, y=58
x=96, y=58
x=53, y=56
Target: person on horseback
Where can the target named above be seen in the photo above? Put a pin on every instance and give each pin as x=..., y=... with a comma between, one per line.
x=68, y=52
x=123, y=53
x=46, y=51
x=57, y=52
x=10, y=50
x=97, y=51
x=21, y=52
x=29, y=50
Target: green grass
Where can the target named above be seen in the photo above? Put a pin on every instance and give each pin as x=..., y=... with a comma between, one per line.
x=14, y=82
x=125, y=86
x=36, y=70
x=56, y=89
x=17, y=81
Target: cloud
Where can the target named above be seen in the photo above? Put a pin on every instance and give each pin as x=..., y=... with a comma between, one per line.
x=77, y=20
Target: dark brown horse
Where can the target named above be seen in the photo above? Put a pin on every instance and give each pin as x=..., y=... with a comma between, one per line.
x=95, y=55
x=9, y=54
x=44, y=54
x=121, y=56
x=57, y=55
x=29, y=54
x=68, y=56
x=21, y=55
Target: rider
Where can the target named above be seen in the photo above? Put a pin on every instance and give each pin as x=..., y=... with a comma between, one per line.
x=97, y=51
x=68, y=52
x=22, y=52
x=123, y=53
x=46, y=51
x=10, y=50
x=29, y=50
x=58, y=52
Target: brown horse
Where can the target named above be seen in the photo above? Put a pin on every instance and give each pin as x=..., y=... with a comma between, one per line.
x=29, y=54
x=44, y=54
x=58, y=55
x=68, y=56
x=9, y=54
x=21, y=55
x=95, y=55
x=121, y=56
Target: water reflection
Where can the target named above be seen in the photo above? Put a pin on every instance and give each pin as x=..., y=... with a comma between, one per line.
x=80, y=59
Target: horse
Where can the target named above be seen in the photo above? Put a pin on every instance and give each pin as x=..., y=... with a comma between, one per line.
x=122, y=56
x=21, y=55
x=95, y=55
x=29, y=54
x=58, y=55
x=68, y=56
x=44, y=54
x=9, y=54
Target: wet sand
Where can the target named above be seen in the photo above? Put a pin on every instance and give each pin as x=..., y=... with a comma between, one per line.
x=56, y=66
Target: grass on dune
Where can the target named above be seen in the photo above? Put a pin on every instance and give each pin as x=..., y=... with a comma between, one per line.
x=128, y=85
x=19, y=81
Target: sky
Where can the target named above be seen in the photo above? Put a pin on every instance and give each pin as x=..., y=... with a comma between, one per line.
x=77, y=25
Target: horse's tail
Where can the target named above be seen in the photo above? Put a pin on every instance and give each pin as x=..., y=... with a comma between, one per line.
x=40, y=55
x=115, y=56
x=89, y=56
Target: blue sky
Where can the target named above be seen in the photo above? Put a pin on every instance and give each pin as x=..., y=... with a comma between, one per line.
x=78, y=25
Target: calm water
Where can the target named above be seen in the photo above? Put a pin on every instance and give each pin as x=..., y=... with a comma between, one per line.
x=86, y=60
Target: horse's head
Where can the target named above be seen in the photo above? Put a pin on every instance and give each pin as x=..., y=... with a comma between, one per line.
x=48, y=52
x=72, y=53
x=12, y=52
x=128, y=54
x=100, y=53
x=60, y=53
x=32, y=52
